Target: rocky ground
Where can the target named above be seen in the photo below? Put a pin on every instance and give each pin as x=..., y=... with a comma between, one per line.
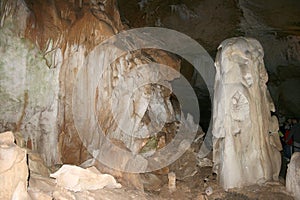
x=194, y=180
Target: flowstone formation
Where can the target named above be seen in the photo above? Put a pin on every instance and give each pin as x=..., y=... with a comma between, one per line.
x=45, y=46
x=246, y=144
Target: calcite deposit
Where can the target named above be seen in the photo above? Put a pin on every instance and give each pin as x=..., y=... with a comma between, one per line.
x=246, y=142
x=44, y=46
x=13, y=169
x=128, y=117
x=78, y=179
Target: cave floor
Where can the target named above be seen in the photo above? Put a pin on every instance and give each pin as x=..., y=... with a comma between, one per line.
x=192, y=183
x=195, y=187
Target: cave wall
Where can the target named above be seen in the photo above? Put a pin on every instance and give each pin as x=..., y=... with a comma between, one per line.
x=29, y=86
x=45, y=46
x=274, y=23
x=30, y=76
x=51, y=44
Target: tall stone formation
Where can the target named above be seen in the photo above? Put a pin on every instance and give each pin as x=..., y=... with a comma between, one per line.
x=246, y=144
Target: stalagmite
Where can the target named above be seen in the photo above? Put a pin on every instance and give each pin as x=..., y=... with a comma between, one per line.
x=246, y=143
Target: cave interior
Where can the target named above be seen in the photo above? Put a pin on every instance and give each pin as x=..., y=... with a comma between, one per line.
x=149, y=99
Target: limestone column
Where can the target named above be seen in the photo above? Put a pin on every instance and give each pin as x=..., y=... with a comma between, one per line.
x=246, y=142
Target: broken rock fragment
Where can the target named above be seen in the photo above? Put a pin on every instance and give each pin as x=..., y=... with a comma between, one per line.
x=13, y=169
x=78, y=179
